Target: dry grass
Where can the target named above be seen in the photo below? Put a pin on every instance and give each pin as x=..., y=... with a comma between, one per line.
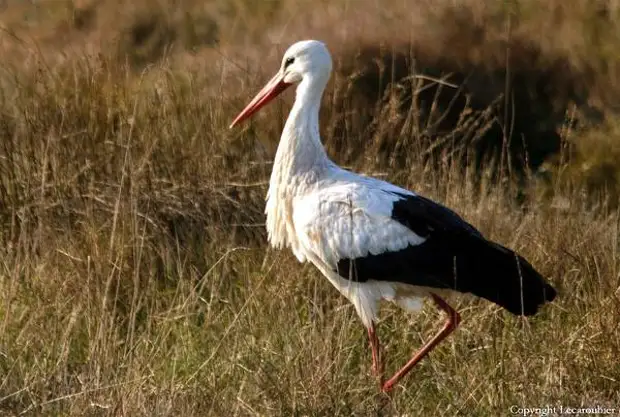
x=135, y=277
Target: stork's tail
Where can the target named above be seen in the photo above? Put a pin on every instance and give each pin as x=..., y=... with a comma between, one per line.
x=504, y=277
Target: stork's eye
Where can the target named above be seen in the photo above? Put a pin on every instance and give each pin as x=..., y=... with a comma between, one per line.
x=289, y=61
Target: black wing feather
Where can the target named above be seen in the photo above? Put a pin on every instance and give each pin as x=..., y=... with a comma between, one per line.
x=454, y=256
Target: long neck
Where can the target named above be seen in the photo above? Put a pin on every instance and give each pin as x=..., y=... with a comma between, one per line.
x=300, y=162
x=300, y=150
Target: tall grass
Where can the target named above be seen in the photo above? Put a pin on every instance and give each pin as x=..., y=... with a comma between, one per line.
x=135, y=277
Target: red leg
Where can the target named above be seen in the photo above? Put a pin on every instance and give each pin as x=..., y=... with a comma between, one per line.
x=452, y=322
x=377, y=363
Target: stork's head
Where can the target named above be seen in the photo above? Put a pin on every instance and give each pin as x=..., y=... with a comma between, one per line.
x=304, y=60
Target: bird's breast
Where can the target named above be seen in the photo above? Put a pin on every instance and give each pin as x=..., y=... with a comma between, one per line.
x=280, y=226
x=288, y=184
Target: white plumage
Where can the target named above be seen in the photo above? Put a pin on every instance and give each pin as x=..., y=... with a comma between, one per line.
x=371, y=239
x=348, y=219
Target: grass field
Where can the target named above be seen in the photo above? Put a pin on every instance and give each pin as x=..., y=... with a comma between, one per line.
x=135, y=278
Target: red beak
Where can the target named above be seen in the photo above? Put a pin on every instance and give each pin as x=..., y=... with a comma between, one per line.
x=274, y=87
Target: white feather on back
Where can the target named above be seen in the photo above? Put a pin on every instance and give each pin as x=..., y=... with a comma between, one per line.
x=350, y=220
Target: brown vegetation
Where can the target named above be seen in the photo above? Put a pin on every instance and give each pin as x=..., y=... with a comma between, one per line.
x=135, y=277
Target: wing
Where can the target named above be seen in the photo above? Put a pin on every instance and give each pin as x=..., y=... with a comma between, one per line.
x=377, y=231
x=383, y=233
x=425, y=217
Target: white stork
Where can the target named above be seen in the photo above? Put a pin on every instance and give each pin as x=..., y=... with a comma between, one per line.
x=373, y=240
